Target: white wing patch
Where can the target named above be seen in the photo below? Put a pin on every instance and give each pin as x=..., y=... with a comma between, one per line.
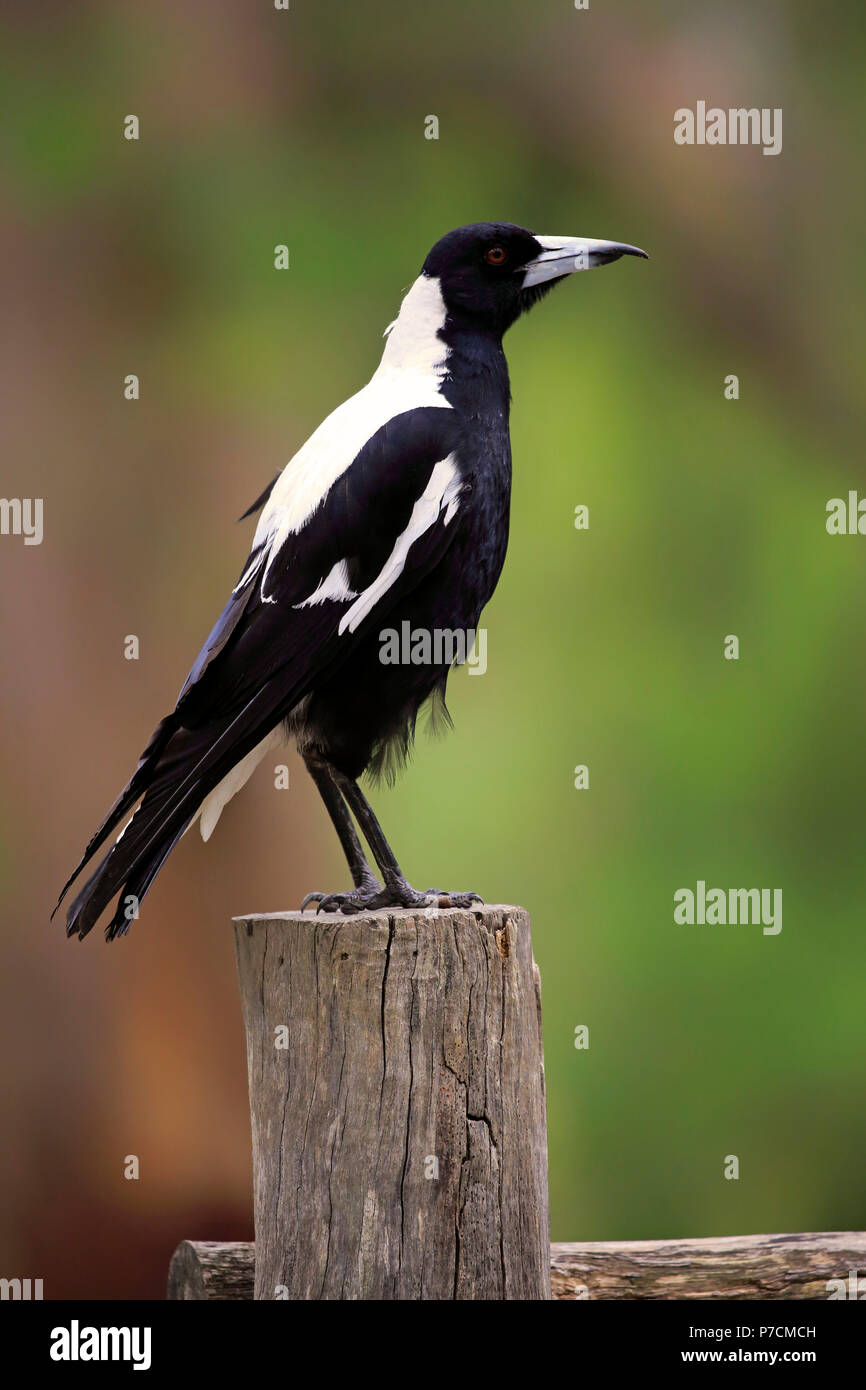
x=335, y=586
x=441, y=492
x=216, y=801
x=408, y=377
x=255, y=564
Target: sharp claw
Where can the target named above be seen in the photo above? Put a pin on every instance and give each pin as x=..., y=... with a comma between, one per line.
x=311, y=897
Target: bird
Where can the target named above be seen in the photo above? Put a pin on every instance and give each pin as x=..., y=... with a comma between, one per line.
x=394, y=511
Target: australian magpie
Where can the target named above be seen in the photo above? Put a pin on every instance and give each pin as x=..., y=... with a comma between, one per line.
x=395, y=510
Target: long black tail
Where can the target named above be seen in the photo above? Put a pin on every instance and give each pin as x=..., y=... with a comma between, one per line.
x=177, y=770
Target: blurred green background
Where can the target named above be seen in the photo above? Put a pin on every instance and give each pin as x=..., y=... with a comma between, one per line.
x=605, y=646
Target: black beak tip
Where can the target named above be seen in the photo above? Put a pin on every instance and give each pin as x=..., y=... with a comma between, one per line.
x=616, y=253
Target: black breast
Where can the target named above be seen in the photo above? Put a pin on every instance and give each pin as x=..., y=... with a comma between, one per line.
x=363, y=716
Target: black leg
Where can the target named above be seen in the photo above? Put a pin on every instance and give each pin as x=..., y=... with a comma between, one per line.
x=365, y=881
x=371, y=830
x=397, y=892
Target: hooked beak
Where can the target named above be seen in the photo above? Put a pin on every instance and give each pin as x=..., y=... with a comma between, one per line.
x=563, y=255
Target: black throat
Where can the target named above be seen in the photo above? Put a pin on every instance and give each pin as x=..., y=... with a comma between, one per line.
x=476, y=381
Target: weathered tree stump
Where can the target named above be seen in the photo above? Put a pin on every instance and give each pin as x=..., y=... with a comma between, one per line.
x=397, y=1096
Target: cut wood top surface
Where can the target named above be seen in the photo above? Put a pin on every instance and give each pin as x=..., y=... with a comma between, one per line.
x=478, y=910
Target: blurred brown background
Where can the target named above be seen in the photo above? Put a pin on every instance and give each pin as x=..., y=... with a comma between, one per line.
x=707, y=517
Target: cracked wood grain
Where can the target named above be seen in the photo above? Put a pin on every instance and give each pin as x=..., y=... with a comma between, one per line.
x=399, y=1140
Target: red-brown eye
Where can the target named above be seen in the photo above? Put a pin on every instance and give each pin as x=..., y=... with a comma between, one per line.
x=497, y=255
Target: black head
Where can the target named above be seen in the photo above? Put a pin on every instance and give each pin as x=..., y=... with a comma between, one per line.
x=490, y=272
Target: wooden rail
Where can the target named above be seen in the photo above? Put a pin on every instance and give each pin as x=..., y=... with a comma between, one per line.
x=735, y=1267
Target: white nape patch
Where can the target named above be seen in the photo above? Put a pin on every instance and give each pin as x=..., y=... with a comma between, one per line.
x=335, y=586
x=413, y=342
x=408, y=378
x=441, y=491
x=216, y=801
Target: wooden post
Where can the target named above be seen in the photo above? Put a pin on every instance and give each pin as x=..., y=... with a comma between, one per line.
x=397, y=1096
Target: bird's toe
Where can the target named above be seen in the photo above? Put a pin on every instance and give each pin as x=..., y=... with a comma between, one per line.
x=444, y=898
x=358, y=900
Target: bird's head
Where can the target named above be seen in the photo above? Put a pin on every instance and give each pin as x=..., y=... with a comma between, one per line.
x=490, y=272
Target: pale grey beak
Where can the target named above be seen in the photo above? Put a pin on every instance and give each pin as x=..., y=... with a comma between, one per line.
x=563, y=255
